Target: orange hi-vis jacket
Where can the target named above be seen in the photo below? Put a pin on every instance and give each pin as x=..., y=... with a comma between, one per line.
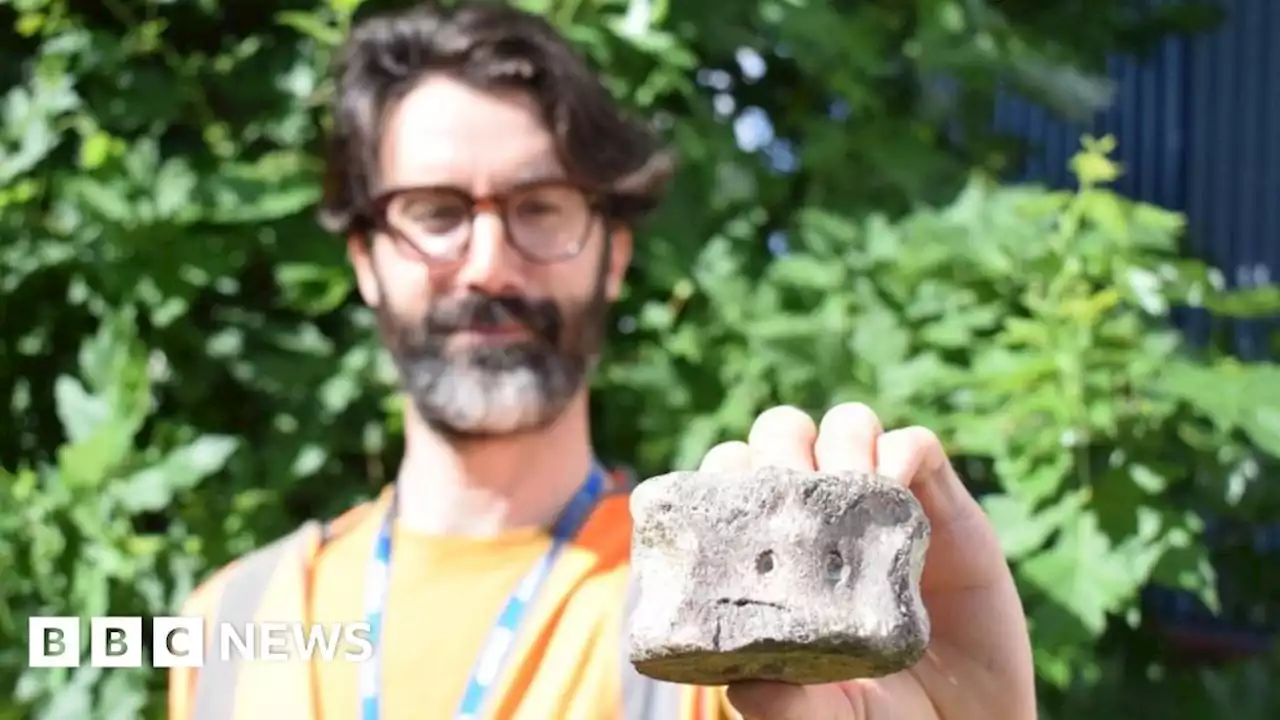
x=569, y=659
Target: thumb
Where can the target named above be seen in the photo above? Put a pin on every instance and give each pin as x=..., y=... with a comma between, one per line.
x=758, y=700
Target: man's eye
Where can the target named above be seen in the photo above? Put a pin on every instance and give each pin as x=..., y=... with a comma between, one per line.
x=438, y=214
x=544, y=203
x=538, y=207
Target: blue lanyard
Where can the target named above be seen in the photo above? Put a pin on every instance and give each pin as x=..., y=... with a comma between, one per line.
x=501, y=638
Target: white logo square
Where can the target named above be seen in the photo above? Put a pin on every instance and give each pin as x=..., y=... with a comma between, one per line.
x=53, y=642
x=177, y=642
x=115, y=642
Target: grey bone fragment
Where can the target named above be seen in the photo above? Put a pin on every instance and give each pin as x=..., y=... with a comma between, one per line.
x=797, y=577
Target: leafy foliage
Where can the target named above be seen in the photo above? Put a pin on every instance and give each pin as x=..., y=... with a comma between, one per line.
x=188, y=374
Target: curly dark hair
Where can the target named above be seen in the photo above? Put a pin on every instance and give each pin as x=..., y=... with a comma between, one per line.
x=489, y=46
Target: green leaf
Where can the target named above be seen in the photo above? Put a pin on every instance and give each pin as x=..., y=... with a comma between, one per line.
x=89, y=461
x=1085, y=574
x=154, y=487
x=312, y=288
x=1022, y=529
x=345, y=8
x=94, y=150
x=1263, y=427
x=309, y=460
x=311, y=25
x=276, y=186
x=80, y=412
x=1107, y=211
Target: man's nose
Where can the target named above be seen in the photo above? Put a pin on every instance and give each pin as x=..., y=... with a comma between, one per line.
x=490, y=265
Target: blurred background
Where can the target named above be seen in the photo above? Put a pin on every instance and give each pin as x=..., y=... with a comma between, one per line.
x=1049, y=229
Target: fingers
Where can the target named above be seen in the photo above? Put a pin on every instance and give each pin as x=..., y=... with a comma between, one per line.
x=783, y=437
x=847, y=439
x=778, y=701
x=728, y=457
x=916, y=457
x=851, y=438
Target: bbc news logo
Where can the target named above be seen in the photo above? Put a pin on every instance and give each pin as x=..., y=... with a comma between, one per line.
x=117, y=642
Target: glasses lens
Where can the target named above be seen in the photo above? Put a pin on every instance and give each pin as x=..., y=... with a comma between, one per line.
x=436, y=222
x=549, y=221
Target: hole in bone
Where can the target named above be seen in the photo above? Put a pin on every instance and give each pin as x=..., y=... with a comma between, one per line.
x=764, y=562
x=834, y=566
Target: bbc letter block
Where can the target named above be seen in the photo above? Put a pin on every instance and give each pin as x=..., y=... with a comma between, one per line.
x=177, y=642
x=115, y=642
x=53, y=642
x=797, y=577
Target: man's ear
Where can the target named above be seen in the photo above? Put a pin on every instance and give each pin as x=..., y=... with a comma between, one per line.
x=360, y=253
x=621, y=246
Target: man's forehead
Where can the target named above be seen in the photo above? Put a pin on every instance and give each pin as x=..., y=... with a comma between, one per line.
x=436, y=161
x=445, y=131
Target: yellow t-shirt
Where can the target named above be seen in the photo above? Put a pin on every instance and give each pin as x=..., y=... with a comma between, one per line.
x=445, y=596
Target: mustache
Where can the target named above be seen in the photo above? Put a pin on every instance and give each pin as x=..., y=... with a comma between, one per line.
x=475, y=310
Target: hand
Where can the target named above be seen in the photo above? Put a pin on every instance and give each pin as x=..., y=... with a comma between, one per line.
x=978, y=665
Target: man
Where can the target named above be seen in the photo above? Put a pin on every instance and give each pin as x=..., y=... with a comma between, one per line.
x=487, y=186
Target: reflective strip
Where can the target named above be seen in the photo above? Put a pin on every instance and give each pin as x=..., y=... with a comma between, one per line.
x=215, y=695
x=644, y=698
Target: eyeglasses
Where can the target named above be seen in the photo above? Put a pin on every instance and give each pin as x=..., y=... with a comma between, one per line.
x=545, y=222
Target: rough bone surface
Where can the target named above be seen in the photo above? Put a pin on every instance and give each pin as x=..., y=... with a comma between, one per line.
x=797, y=577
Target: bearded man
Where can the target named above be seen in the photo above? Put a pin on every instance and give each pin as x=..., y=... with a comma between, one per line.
x=487, y=185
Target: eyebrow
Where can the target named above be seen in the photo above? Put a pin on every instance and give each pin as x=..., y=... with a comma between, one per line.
x=544, y=167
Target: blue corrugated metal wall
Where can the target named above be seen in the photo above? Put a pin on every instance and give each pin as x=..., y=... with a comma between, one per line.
x=1198, y=125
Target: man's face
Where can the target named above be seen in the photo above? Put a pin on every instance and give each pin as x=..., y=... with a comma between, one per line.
x=489, y=341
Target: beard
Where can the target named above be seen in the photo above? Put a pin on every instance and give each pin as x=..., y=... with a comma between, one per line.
x=490, y=390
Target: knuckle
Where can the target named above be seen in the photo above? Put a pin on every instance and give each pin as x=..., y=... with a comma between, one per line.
x=728, y=449
x=922, y=436
x=730, y=455
x=850, y=415
x=783, y=418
